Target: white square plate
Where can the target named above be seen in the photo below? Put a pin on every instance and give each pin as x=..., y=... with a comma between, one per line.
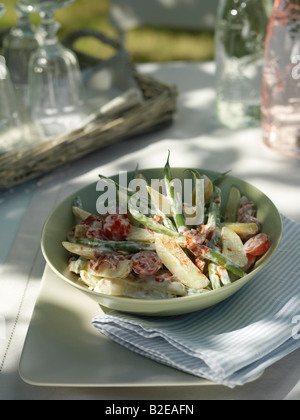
x=62, y=348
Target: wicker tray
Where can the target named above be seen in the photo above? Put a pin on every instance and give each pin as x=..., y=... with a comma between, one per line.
x=156, y=111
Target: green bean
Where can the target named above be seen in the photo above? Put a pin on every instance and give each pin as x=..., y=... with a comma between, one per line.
x=119, y=188
x=174, y=205
x=214, y=211
x=150, y=223
x=214, y=219
x=167, y=222
x=219, y=259
x=218, y=177
x=199, y=189
x=125, y=246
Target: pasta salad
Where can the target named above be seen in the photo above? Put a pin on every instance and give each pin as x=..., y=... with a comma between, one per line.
x=155, y=254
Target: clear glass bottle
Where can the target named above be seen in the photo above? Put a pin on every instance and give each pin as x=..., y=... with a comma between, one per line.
x=240, y=36
x=281, y=80
x=22, y=40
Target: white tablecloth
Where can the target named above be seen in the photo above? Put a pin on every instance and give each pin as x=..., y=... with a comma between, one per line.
x=195, y=140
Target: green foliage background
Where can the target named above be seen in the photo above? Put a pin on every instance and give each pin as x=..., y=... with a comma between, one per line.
x=144, y=44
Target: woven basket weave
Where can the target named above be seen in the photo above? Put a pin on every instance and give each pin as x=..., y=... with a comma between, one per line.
x=156, y=111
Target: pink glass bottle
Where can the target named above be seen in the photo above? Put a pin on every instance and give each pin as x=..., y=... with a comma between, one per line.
x=281, y=80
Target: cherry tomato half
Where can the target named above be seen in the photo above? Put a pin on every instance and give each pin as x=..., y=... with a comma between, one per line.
x=146, y=263
x=116, y=227
x=257, y=245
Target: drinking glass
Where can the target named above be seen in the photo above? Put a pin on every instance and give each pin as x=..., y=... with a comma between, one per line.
x=10, y=124
x=56, y=99
x=18, y=46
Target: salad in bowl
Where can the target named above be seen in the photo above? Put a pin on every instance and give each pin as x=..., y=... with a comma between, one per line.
x=168, y=241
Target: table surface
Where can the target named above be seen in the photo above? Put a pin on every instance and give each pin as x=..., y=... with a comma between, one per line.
x=195, y=139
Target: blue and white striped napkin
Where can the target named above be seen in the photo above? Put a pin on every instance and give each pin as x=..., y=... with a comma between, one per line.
x=230, y=343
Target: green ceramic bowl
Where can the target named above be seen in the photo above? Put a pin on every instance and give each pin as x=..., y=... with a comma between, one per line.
x=61, y=220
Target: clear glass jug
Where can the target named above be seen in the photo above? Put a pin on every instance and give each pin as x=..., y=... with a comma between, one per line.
x=240, y=36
